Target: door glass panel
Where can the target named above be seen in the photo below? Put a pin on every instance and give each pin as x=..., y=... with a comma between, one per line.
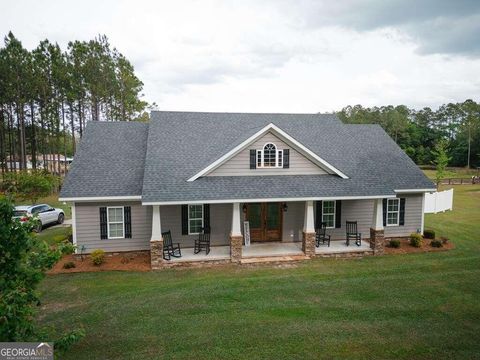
x=254, y=215
x=273, y=216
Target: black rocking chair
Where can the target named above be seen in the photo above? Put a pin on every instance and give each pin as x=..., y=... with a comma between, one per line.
x=203, y=241
x=321, y=235
x=352, y=233
x=169, y=248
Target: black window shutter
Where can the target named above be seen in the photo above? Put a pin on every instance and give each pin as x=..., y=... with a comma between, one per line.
x=286, y=158
x=184, y=219
x=402, y=212
x=318, y=215
x=206, y=218
x=253, y=159
x=384, y=212
x=338, y=214
x=127, y=214
x=103, y=223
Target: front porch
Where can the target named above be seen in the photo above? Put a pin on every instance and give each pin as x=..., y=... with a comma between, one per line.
x=296, y=241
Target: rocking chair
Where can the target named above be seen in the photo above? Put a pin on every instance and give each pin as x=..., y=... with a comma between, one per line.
x=203, y=241
x=169, y=248
x=352, y=233
x=321, y=235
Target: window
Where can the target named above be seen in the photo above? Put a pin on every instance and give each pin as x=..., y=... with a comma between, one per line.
x=116, y=226
x=195, y=219
x=269, y=157
x=328, y=213
x=393, y=209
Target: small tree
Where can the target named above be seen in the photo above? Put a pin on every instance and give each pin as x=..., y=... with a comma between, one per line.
x=24, y=259
x=30, y=185
x=441, y=160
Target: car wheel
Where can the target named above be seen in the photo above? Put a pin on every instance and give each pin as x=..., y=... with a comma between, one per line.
x=39, y=227
x=61, y=218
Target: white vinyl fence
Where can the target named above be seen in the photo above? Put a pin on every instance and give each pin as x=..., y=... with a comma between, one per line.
x=438, y=201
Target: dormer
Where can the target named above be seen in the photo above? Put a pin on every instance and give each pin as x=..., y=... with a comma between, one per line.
x=270, y=151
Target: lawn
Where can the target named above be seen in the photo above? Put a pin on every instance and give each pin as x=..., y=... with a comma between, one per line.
x=456, y=173
x=416, y=306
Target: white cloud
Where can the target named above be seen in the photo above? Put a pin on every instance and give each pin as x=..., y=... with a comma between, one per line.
x=263, y=56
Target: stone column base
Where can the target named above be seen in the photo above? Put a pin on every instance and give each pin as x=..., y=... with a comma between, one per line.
x=377, y=241
x=156, y=254
x=308, y=243
x=236, y=243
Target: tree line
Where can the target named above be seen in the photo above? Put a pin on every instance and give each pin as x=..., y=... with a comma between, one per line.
x=417, y=132
x=48, y=94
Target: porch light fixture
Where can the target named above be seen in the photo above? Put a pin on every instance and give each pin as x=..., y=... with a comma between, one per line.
x=284, y=206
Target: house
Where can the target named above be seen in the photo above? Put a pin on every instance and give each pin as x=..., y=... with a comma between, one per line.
x=283, y=173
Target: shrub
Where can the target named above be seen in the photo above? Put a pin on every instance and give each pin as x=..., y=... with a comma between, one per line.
x=67, y=247
x=416, y=240
x=436, y=243
x=429, y=234
x=98, y=256
x=395, y=243
x=125, y=260
x=69, y=265
x=444, y=240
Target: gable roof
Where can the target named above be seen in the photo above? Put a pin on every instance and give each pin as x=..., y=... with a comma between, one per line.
x=109, y=162
x=279, y=133
x=182, y=144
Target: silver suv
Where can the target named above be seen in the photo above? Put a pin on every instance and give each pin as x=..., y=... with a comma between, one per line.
x=44, y=212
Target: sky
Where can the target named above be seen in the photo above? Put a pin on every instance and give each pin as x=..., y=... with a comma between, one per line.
x=299, y=56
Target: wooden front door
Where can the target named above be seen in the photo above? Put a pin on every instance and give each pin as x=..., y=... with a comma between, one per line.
x=265, y=221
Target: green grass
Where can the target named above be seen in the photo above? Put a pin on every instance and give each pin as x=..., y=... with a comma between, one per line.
x=454, y=173
x=53, y=235
x=416, y=306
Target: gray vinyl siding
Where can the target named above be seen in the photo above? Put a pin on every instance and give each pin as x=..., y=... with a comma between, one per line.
x=413, y=217
x=220, y=224
x=293, y=221
x=239, y=165
x=87, y=217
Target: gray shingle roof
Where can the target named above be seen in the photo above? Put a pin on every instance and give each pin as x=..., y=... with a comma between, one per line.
x=180, y=144
x=109, y=161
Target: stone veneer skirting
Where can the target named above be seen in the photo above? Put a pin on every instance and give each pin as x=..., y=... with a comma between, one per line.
x=308, y=243
x=156, y=254
x=236, y=243
x=377, y=241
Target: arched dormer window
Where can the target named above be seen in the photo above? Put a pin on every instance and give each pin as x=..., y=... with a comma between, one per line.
x=269, y=157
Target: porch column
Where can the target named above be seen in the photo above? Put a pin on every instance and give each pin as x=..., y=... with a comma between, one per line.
x=156, y=241
x=377, y=236
x=236, y=238
x=308, y=238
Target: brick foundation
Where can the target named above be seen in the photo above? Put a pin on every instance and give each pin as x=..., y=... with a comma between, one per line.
x=156, y=254
x=377, y=241
x=236, y=243
x=308, y=243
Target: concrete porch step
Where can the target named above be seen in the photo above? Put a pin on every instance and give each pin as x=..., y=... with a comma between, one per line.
x=264, y=259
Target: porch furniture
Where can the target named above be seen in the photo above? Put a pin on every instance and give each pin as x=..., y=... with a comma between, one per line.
x=169, y=248
x=321, y=235
x=352, y=233
x=203, y=242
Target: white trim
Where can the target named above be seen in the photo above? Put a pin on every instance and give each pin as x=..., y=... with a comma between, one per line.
x=314, y=157
x=236, y=230
x=414, y=190
x=101, y=198
x=188, y=218
x=115, y=222
x=334, y=212
x=309, y=218
x=74, y=227
x=393, y=212
x=422, y=226
x=156, y=224
x=228, y=201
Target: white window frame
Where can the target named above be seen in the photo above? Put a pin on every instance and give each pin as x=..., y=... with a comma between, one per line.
x=115, y=222
x=393, y=212
x=278, y=158
x=334, y=212
x=202, y=218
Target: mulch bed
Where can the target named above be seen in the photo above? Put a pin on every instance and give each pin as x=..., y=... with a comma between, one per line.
x=406, y=248
x=121, y=262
